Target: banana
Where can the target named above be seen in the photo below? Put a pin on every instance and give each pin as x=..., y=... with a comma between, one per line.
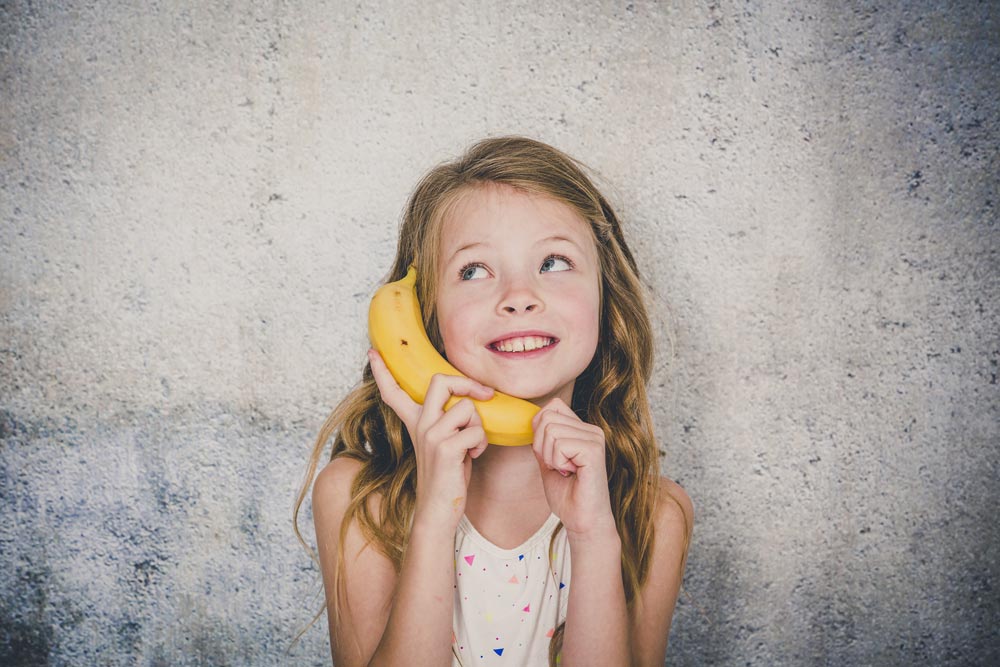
x=396, y=330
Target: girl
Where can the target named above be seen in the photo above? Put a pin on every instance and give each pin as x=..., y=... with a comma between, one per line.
x=438, y=548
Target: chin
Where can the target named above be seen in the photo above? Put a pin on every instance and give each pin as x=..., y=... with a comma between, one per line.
x=534, y=396
x=515, y=392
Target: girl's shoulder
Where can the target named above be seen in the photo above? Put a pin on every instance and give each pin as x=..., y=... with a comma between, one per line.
x=337, y=475
x=674, y=509
x=332, y=487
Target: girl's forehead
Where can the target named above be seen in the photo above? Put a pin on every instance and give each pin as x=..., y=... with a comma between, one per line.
x=482, y=213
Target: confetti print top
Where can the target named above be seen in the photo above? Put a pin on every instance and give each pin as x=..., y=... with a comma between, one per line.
x=508, y=602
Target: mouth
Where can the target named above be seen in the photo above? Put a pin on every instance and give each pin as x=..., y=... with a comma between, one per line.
x=523, y=347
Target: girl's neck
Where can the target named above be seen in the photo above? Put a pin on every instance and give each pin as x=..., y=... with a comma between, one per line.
x=507, y=475
x=506, y=501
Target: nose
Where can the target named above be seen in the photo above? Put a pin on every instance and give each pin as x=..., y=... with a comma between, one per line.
x=520, y=297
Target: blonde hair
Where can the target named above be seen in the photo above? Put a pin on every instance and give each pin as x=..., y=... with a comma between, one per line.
x=610, y=393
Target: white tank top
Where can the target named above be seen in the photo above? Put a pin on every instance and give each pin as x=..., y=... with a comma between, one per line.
x=508, y=602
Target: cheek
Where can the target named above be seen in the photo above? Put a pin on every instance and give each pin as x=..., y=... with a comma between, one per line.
x=457, y=327
x=587, y=312
x=592, y=326
x=446, y=325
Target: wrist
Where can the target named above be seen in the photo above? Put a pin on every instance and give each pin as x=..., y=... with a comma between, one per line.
x=602, y=536
x=434, y=526
x=438, y=512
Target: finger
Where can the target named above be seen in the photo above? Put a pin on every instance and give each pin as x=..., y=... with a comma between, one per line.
x=542, y=440
x=538, y=439
x=480, y=448
x=548, y=443
x=443, y=387
x=467, y=441
x=458, y=417
x=557, y=456
x=564, y=446
x=586, y=431
x=548, y=417
x=558, y=406
x=547, y=458
x=555, y=407
x=564, y=455
x=392, y=394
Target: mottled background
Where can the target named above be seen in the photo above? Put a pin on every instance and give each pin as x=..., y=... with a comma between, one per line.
x=198, y=200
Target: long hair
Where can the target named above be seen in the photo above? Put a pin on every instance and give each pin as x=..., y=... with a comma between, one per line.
x=610, y=393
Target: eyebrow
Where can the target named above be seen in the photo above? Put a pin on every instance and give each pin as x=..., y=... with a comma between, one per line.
x=545, y=240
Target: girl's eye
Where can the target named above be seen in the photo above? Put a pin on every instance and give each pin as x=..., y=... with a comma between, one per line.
x=462, y=272
x=558, y=258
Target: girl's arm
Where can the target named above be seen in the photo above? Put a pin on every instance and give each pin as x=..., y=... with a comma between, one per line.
x=653, y=612
x=386, y=619
x=571, y=460
x=599, y=631
x=368, y=576
x=406, y=620
x=596, y=619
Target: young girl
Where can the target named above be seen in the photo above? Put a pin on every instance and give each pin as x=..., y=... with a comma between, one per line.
x=438, y=548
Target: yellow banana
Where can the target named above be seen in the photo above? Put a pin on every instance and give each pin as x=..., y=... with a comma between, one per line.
x=397, y=332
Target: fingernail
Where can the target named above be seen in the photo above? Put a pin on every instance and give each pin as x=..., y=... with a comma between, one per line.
x=563, y=473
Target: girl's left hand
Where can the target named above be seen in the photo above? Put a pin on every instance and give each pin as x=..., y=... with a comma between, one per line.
x=570, y=454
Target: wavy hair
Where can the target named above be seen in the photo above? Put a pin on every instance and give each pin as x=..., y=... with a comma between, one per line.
x=610, y=393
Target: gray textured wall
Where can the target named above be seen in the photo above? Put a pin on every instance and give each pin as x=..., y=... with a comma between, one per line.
x=197, y=201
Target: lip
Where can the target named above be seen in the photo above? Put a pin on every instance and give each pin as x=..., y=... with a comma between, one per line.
x=524, y=355
x=519, y=334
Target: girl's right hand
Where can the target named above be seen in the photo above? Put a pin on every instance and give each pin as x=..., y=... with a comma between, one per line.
x=444, y=443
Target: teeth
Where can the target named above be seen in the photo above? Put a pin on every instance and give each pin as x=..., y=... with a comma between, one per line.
x=525, y=344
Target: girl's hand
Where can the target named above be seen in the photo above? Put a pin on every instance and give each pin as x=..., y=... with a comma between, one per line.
x=444, y=443
x=570, y=454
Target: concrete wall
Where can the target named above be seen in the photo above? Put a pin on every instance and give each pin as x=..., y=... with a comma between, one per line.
x=198, y=199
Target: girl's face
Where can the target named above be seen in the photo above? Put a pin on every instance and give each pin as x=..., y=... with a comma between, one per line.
x=506, y=284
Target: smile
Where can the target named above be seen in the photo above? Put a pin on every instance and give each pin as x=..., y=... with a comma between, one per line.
x=525, y=347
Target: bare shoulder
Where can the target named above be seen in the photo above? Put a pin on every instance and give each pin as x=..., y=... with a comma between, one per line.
x=331, y=497
x=674, y=509
x=335, y=479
